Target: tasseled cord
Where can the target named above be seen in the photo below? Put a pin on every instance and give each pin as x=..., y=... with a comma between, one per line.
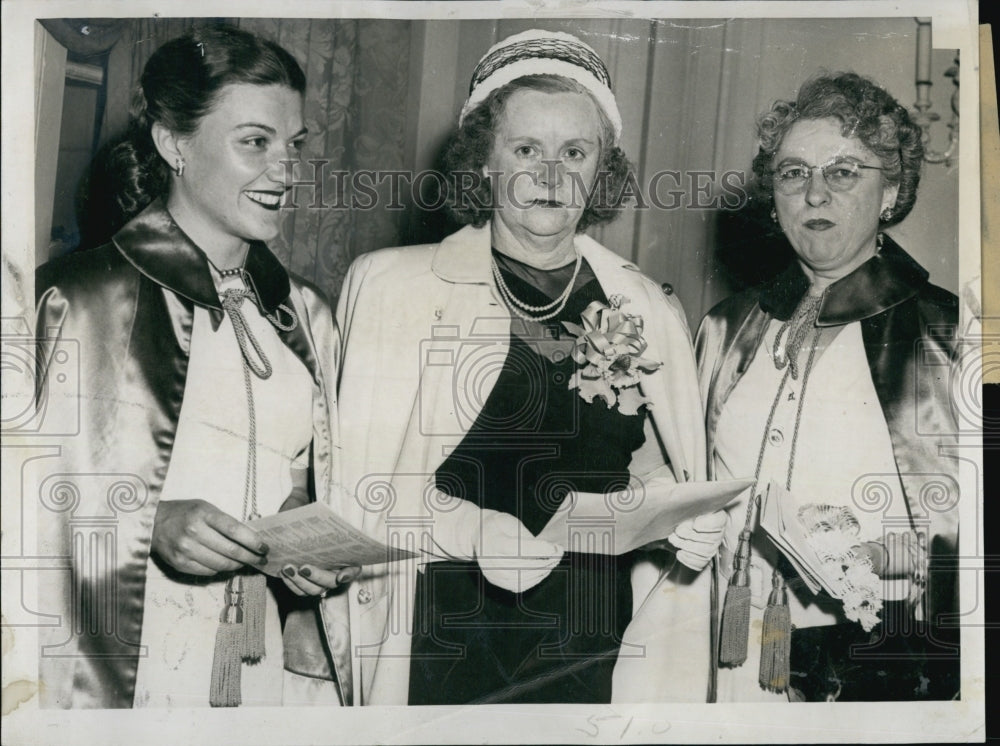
x=776, y=643
x=736, y=607
x=227, y=662
x=254, y=604
x=240, y=636
x=776, y=640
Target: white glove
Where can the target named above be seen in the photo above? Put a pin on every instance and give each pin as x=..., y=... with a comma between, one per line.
x=697, y=540
x=509, y=556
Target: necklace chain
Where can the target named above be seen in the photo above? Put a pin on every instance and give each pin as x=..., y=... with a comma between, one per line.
x=524, y=310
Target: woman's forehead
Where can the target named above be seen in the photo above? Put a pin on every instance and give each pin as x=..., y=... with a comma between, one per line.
x=273, y=104
x=819, y=140
x=528, y=111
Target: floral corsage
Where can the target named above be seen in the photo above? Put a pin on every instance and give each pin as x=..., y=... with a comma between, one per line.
x=832, y=533
x=608, y=349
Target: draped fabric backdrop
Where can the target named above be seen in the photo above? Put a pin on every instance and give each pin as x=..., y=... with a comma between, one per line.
x=385, y=94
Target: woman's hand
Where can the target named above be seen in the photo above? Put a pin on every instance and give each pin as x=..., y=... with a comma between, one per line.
x=698, y=540
x=509, y=556
x=197, y=538
x=308, y=580
x=313, y=581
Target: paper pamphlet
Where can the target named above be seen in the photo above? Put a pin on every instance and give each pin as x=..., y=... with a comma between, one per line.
x=315, y=535
x=779, y=520
x=618, y=522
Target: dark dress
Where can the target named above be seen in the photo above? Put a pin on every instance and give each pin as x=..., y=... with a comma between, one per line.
x=534, y=439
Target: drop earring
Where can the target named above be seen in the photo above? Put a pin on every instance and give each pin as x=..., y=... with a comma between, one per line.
x=179, y=165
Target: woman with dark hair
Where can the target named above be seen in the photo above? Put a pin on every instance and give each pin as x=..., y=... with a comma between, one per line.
x=488, y=411
x=205, y=394
x=813, y=384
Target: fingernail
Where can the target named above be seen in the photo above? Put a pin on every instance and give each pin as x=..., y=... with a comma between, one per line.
x=263, y=549
x=262, y=561
x=289, y=572
x=304, y=572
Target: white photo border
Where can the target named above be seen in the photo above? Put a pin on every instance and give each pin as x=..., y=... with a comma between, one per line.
x=954, y=23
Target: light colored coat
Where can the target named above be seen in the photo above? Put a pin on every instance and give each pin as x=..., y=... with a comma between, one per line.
x=423, y=327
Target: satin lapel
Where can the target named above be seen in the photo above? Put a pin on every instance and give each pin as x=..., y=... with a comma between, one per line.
x=889, y=340
x=154, y=244
x=267, y=276
x=164, y=361
x=911, y=362
x=156, y=360
x=887, y=279
x=911, y=384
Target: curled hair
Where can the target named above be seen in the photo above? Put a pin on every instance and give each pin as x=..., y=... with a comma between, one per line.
x=180, y=84
x=469, y=150
x=866, y=111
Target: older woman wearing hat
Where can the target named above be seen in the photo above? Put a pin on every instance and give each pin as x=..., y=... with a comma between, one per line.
x=464, y=422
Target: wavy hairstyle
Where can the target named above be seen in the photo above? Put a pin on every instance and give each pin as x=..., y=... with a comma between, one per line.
x=866, y=111
x=180, y=84
x=469, y=194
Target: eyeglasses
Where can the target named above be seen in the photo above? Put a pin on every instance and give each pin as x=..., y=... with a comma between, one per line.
x=840, y=176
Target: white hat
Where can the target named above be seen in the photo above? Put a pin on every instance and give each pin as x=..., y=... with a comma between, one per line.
x=537, y=52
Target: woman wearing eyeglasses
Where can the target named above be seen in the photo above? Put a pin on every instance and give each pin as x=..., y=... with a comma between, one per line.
x=831, y=382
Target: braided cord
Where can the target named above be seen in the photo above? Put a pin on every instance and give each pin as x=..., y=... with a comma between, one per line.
x=790, y=370
x=798, y=411
x=232, y=300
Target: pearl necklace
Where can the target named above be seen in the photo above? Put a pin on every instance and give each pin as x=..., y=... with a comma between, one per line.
x=524, y=310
